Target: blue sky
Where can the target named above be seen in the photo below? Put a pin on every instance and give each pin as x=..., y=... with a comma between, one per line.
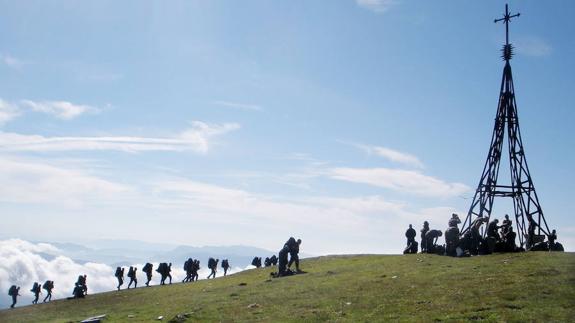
x=245, y=122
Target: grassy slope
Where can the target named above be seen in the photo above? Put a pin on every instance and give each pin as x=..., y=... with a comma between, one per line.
x=506, y=287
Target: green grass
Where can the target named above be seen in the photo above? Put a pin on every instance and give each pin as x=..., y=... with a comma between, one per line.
x=522, y=287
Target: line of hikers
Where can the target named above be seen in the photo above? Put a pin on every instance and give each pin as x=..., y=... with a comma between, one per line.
x=498, y=238
x=80, y=290
x=191, y=267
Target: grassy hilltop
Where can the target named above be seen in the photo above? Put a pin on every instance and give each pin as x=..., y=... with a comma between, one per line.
x=364, y=288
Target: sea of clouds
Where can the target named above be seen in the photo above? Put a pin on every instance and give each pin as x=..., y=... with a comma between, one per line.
x=22, y=263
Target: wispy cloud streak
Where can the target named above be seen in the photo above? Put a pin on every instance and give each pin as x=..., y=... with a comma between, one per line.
x=198, y=138
x=378, y=6
x=239, y=106
x=400, y=180
x=392, y=155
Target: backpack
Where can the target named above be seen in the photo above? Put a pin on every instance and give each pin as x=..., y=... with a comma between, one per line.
x=118, y=272
x=131, y=272
x=35, y=287
x=147, y=267
x=211, y=263
x=225, y=263
x=13, y=290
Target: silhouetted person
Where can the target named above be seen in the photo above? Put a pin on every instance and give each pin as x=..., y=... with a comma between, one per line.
x=195, y=269
x=162, y=269
x=531, y=231
x=454, y=221
x=287, y=249
x=267, y=262
x=423, y=233
x=188, y=268
x=133, y=278
x=169, y=272
x=213, y=266
x=410, y=234
x=36, y=289
x=225, y=266
x=294, y=256
x=14, y=291
x=120, y=276
x=431, y=239
x=274, y=260
x=509, y=239
x=492, y=229
x=506, y=223
x=257, y=262
x=475, y=236
x=80, y=288
x=148, y=268
x=48, y=286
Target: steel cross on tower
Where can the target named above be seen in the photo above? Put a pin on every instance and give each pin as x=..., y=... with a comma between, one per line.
x=529, y=220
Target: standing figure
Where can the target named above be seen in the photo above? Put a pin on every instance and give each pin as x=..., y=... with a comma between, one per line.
x=133, y=279
x=148, y=267
x=14, y=291
x=294, y=256
x=36, y=289
x=169, y=272
x=213, y=266
x=423, y=233
x=48, y=286
x=225, y=266
x=411, y=243
x=162, y=270
x=531, y=231
x=120, y=276
x=195, y=269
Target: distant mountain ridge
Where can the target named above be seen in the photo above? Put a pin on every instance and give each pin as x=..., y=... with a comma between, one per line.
x=127, y=252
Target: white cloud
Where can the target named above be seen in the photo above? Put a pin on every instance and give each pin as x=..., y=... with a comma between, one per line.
x=60, y=109
x=378, y=6
x=400, y=180
x=240, y=106
x=28, y=182
x=532, y=46
x=8, y=111
x=198, y=138
x=392, y=155
x=11, y=61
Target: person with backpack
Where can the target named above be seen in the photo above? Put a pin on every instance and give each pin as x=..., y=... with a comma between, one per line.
x=273, y=260
x=48, y=286
x=133, y=278
x=195, y=269
x=225, y=266
x=14, y=291
x=188, y=267
x=168, y=272
x=148, y=267
x=291, y=248
x=120, y=276
x=36, y=289
x=257, y=262
x=213, y=265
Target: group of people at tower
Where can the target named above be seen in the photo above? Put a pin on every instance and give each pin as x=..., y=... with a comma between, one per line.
x=473, y=241
x=191, y=267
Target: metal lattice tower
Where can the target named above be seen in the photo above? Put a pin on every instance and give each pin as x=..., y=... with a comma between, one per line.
x=525, y=202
